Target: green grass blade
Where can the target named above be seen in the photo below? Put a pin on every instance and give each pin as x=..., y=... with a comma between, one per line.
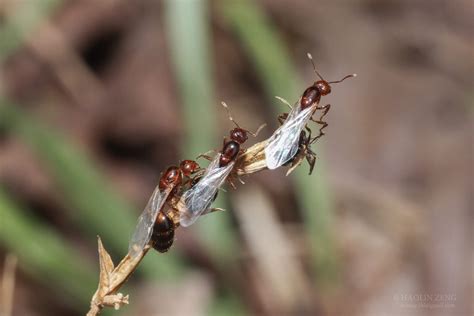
x=189, y=39
x=45, y=255
x=95, y=207
x=188, y=28
x=25, y=17
x=271, y=58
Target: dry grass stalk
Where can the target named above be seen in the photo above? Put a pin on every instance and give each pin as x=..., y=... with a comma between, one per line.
x=8, y=285
x=111, y=278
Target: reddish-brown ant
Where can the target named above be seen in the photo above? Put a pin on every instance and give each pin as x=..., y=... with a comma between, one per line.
x=154, y=224
x=238, y=136
x=311, y=96
x=285, y=142
x=231, y=148
x=163, y=230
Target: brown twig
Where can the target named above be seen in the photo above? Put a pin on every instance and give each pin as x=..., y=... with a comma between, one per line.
x=111, y=279
x=8, y=285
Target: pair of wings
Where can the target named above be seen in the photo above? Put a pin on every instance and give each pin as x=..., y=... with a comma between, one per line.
x=144, y=229
x=199, y=198
x=196, y=201
x=284, y=143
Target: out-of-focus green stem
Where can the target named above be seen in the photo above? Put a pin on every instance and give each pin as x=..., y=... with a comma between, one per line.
x=264, y=47
x=271, y=58
x=188, y=31
x=44, y=254
x=94, y=206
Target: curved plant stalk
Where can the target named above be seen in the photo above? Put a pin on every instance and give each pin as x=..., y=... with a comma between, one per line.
x=8, y=285
x=112, y=277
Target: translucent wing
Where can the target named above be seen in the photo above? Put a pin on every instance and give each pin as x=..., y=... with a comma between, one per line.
x=199, y=198
x=142, y=234
x=283, y=144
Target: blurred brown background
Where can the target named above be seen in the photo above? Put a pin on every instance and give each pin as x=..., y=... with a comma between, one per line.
x=98, y=97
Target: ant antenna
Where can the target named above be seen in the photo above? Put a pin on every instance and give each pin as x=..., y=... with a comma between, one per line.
x=320, y=77
x=314, y=67
x=348, y=76
x=229, y=114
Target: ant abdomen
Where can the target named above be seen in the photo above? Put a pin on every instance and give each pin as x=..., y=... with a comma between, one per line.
x=163, y=233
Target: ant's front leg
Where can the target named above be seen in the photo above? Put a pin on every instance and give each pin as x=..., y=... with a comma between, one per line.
x=232, y=184
x=325, y=109
x=206, y=155
x=212, y=210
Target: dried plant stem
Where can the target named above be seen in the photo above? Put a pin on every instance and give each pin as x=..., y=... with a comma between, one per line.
x=112, y=278
x=8, y=285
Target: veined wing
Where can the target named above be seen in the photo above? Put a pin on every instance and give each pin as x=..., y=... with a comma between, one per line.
x=144, y=229
x=199, y=198
x=283, y=144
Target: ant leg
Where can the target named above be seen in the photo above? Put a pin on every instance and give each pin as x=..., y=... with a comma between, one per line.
x=306, y=127
x=324, y=124
x=284, y=101
x=324, y=107
x=299, y=160
x=206, y=155
x=212, y=210
x=231, y=179
x=232, y=184
x=311, y=158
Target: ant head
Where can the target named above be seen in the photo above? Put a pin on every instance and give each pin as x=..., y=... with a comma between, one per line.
x=323, y=87
x=189, y=167
x=239, y=135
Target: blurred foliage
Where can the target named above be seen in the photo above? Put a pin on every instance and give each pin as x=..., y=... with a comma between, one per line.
x=99, y=210
x=191, y=57
x=44, y=254
x=26, y=16
x=192, y=60
x=271, y=58
x=93, y=205
x=382, y=239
